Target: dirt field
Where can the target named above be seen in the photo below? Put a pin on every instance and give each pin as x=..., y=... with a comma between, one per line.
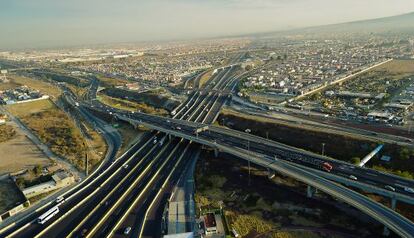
x=20, y=153
x=7, y=132
x=398, y=66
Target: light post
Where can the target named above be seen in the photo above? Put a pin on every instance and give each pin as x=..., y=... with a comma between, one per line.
x=248, y=149
x=323, y=148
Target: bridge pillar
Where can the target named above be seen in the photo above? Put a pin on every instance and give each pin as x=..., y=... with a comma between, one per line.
x=310, y=191
x=393, y=203
x=169, y=137
x=386, y=232
x=216, y=152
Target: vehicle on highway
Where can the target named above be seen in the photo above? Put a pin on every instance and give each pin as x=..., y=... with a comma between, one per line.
x=353, y=177
x=155, y=141
x=409, y=190
x=390, y=188
x=327, y=167
x=125, y=166
x=48, y=215
x=60, y=199
x=178, y=128
x=127, y=230
x=162, y=141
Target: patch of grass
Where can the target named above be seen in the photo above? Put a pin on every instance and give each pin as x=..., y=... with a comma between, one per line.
x=28, y=108
x=57, y=131
x=7, y=132
x=294, y=234
x=244, y=224
x=204, y=78
x=131, y=106
x=111, y=82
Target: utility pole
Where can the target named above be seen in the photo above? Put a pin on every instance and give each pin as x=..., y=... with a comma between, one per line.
x=323, y=148
x=248, y=149
x=86, y=160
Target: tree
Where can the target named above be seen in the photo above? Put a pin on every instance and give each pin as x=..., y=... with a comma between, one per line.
x=37, y=170
x=355, y=160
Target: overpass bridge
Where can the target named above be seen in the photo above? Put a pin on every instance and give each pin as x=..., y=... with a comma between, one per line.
x=322, y=181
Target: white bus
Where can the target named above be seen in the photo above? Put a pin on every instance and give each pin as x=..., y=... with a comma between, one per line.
x=47, y=215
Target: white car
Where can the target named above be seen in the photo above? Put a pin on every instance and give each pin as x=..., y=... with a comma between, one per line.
x=409, y=190
x=353, y=177
x=127, y=230
x=60, y=199
x=390, y=188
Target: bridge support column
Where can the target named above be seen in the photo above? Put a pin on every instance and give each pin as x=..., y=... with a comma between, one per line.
x=386, y=232
x=216, y=152
x=310, y=191
x=169, y=137
x=393, y=203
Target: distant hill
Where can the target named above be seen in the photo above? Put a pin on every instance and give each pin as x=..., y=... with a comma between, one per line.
x=399, y=23
x=403, y=22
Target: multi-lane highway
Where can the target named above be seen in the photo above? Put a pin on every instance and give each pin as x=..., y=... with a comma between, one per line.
x=132, y=191
x=109, y=199
x=237, y=147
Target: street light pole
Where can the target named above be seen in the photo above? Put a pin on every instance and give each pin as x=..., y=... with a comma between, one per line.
x=248, y=149
x=323, y=148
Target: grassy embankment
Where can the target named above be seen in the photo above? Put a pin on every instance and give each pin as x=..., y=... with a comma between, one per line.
x=111, y=82
x=131, y=106
x=338, y=146
x=204, y=78
x=272, y=207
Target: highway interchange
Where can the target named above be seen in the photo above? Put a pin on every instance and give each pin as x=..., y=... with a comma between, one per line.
x=129, y=191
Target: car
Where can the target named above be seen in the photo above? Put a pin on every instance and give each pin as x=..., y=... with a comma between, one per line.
x=60, y=199
x=353, y=177
x=127, y=230
x=390, y=188
x=409, y=190
x=125, y=166
x=178, y=128
x=327, y=166
x=168, y=121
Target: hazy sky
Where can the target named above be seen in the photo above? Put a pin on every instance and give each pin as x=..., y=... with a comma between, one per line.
x=49, y=23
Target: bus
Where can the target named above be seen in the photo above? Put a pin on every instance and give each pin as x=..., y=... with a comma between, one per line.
x=48, y=215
